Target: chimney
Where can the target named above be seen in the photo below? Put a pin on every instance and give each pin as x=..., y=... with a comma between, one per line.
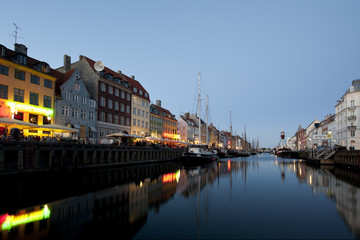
x=119, y=72
x=67, y=63
x=158, y=103
x=20, y=48
x=133, y=77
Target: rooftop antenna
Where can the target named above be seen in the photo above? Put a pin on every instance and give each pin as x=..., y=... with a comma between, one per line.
x=15, y=35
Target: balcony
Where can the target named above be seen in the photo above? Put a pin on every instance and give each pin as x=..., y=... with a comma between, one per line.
x=351, y=128
x=352, y=117
x=351, y=108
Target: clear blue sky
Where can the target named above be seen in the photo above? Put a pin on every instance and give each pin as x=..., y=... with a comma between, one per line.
x=272, y=64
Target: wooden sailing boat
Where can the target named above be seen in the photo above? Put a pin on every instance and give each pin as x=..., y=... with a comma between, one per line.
x=200, y=153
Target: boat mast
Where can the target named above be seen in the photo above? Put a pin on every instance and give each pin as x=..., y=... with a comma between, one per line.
x=230, y=131
x=199, y=113
x=207, y=116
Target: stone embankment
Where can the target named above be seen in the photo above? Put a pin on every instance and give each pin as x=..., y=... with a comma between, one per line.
x=41, y=156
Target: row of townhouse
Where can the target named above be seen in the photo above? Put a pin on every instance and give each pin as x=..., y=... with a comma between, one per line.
x=340, y=128
x=96, y=103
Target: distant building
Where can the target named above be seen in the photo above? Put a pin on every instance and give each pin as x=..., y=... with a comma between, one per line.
x=347, y=114
x=163, y=124
x=186, y=128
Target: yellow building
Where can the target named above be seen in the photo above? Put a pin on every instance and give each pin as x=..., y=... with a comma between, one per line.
x=27, y=88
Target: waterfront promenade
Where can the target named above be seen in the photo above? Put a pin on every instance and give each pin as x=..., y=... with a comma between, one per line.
x=19, y=156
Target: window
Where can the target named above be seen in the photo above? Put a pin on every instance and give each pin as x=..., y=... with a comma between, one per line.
x=147, y=104
x=35, y=79
x=352, y=103
x=142, y=123
x=116, y=105
x=122, y=107
x=134, y=122
x=3, y=91
x=84, y=100
x=143, y=113
x=135, y=90
x=18, y=95
x=47, y=101
x=146, y=94
x=122, y=94
x=102, y=87
x=67, y=95
x=128, y=121
x=102, y=132
x=75, y=113
x=134, y=111
x=75, y=98
x=140, y=92
x=65, y=110
x=122, y=120
x=138, y=122
x=110, y=90
x=92, y=103
x=48, y=83
x=127, y=109
x=146, y=124
x=77, y=86
x=116, y=119
x=110, y=120
x=91, y=116
x=21, y=59
x=147, y=114
x=143, y=103
x=139, y=112
x=102, y=116
x=4, y=70
x=116, y=92
x=110, y=103
x=19, y=74
x=127, y=96
x=352, y=133
x=102, y=101
x=83, y=114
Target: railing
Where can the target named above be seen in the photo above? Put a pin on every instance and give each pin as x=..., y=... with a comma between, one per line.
x=352, y=117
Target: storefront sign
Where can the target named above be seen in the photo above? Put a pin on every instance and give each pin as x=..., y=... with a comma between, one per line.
x=15, y=107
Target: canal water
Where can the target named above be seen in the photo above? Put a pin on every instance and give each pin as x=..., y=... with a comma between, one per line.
x=256, y=197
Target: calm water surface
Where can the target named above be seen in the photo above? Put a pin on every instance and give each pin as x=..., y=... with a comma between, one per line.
x=261, y=197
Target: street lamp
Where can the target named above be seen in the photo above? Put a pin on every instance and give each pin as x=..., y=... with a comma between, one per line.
x=330, y=137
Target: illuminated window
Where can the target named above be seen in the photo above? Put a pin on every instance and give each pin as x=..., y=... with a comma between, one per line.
x=77, y=86
x=3, y=91
x=47, y=101
x=19, y=74
x=35, y=79
x=4, y=70
x=48, y=83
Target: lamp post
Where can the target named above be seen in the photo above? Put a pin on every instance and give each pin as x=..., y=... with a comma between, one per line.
x=330, y=137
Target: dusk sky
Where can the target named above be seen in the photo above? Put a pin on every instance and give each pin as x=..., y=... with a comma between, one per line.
x=272, y=64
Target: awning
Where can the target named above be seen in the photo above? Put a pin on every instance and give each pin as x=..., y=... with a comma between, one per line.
x=92, y=129
x=76, y=125
x=56, y=128
x=124, y=135
x=14, y=123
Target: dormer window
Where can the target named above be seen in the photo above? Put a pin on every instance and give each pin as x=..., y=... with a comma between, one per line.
x=146, y=94
x=117, y=80
x=135, y=90
x=140, y=92
x=43, y=67
x=22, y=59
x=108, y=76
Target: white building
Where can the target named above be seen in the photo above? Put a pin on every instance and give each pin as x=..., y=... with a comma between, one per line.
x=347, y=114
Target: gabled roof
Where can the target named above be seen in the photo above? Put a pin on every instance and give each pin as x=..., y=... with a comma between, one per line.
x=61, y=78
x=133, y=83
x=163, y=110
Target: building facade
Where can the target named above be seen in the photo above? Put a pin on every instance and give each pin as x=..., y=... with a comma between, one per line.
x=186, y=128
x=347, y=115
x=27, y=88
x=168, y=128
x=112, y=92
x=74, y=106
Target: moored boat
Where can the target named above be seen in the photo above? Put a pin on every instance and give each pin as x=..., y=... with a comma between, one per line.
x=199, y=154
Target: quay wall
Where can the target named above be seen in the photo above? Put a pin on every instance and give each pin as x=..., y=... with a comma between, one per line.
x=39, y=156
x=348, y=158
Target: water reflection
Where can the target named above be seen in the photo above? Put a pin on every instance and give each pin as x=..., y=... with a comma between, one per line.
x=121, y=202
